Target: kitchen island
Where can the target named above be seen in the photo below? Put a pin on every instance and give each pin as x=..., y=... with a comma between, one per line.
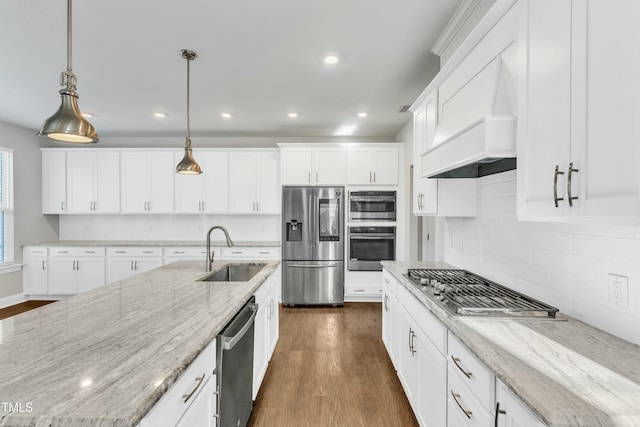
x=105, y=357
x=567, y=372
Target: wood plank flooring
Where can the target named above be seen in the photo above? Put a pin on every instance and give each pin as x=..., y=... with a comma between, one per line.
x=330, y=368
x=21, y=308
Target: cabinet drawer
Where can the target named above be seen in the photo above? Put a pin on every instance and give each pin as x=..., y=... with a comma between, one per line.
x=254, y=253
x=390, y=282
x=478, y=378
x=461, y=399
x=136, y=251
x=361, y=290
x=171, y=407
x=36, y=251
x=436, y=332
x=76, y=251
x=188, y=252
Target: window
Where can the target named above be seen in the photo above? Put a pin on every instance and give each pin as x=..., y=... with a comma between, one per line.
x=6, y=206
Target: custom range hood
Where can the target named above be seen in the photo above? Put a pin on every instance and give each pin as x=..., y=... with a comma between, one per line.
x=476, y=135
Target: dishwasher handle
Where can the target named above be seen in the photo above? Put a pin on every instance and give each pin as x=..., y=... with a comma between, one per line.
x=229, y=342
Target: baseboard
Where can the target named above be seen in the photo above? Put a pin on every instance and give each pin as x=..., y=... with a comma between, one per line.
x=12, y=300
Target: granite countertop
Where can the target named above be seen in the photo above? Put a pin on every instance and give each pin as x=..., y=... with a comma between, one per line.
x=567, y=372
x=105, y=357
x=161, y=243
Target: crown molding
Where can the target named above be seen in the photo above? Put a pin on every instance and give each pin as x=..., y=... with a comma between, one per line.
x=456, y=22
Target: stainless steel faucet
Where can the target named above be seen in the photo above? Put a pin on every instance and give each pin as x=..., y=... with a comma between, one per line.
x=209, y=254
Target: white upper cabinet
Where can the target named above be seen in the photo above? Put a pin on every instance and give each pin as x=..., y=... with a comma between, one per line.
x=425, y=190
x=54, y=182
x=313, y=166
x=147, y=181
x=578, y=108
x=93, y=182
x=372, y=166
x=254, y=183
x=206, y=192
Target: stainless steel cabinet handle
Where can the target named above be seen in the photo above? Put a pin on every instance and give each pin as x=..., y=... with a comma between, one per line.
x=557, y=172
x=464, y=411
x=62, y=206
x=136, y=265
x=386, y=301
x=498, y=412
x=258, y=206
x=131, y=268
x=121, y=252
x=203, y=206
x=73, y=265
x=413, y=347
x=187, y=396
x=386, y=281
x=370, y=180
x=569, y=195
x=216, y=415
x=316, y=176
x=77, y=265
x=374, y=177
x=43, y=264
x=456, y=361
x=410, y=333
x=359, y=290
x=149, y=206
x=309, y=177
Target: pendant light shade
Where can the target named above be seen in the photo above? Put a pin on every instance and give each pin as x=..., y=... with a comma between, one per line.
x=188, y=164
x=67, y=124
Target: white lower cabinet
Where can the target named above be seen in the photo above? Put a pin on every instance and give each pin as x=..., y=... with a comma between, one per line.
x=123, y=262
x=390, y=314
x=266, y=328
x=35, y=270
x=74, y=270
x=511, y=412
x=191, y=400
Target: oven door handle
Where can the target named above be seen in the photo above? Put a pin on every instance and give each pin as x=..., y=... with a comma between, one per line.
x=334, y=265
x=372, y=199
x=385, y=237
x=229, y=342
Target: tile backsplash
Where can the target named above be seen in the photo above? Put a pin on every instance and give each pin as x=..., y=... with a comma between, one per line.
x=589, y=271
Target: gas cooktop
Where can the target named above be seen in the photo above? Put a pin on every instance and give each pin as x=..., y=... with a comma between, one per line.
x=466, y=294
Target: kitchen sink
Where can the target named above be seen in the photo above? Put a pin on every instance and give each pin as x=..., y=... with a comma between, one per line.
x=234, y=273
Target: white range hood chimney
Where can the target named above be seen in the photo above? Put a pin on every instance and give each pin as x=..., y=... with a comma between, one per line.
x=476, y=135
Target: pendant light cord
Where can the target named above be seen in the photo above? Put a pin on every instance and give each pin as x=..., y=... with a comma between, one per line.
x=188, y=104
x=69, y=36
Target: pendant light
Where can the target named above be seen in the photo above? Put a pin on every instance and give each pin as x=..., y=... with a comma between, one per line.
x=188, y=164
x=67, y=124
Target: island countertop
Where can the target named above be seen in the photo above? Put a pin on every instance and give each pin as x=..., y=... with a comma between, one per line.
x=567, y=372
x=105, y=357
x=159, y=243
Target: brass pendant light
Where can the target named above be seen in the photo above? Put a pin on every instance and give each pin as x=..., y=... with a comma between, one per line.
x=67, y=124
x=188, y=164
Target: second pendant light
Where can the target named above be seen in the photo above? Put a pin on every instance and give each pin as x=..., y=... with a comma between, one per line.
x=188, y=164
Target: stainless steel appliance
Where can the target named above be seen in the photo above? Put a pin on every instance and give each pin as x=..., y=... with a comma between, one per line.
x=372, y=205
x=370, y=245
x=467, y=294
x=234, y=367
x=312, y=245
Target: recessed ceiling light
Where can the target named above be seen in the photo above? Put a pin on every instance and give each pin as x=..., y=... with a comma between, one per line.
x=160, y=115
x=363, y=114
x=292, y=115
x=87, y=115
x=331, y=59
x=226, y=115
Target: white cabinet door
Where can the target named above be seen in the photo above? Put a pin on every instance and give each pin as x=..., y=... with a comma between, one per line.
x=407, y=360
x=260, y=344
x=147, y=182
x=119, y=269
x=93, y=182
x=544, y=117
x=387, y=326
x=145, y=264
x=431, y=405
x=511, y=412
x=296, y=166
x=268, y=183
x=54, y=182
x=359, y=171
x=425, y=191
x=62, y=276
x=385, y=166
x=605, y=89
x=274, y=311
x=90, y=273
x=206, y=192
x=35, y=271
x=243, y=174
x=329, y=166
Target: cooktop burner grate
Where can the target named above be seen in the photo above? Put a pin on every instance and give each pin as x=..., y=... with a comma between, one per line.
x=466, y=293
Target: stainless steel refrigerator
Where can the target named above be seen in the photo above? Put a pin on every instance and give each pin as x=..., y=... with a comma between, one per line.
x=313, y=245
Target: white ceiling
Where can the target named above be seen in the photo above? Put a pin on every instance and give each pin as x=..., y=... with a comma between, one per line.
x=257, y=59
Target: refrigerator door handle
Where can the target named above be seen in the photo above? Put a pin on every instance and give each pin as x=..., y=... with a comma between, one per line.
x=333, y=265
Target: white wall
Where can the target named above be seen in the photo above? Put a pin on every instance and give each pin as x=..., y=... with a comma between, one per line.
x=30, y=225
x=565, y=265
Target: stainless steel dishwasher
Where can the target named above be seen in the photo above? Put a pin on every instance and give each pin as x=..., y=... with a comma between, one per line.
x=234, y=367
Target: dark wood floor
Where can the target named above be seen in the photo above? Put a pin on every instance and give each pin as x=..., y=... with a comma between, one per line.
x=22, y=307
x=330, y=368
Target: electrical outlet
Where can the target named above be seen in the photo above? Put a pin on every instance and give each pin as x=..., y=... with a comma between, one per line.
x=618, y=289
